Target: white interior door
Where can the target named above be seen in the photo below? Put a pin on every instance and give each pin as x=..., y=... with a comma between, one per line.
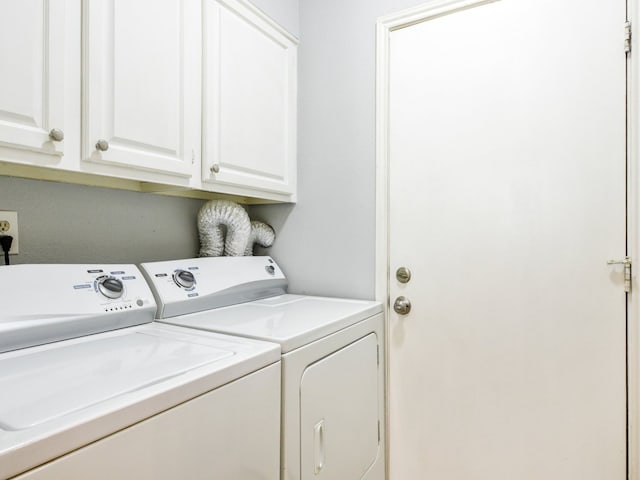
x=506, y=199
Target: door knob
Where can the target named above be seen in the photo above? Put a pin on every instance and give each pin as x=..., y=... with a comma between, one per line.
x=215, y=168
x=402, y=306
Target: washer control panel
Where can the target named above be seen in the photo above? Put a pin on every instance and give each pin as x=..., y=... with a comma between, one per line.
x=51, y=302
x=114, y=289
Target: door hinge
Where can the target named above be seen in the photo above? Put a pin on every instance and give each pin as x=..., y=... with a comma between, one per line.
x=627, y=271
x=627, y=37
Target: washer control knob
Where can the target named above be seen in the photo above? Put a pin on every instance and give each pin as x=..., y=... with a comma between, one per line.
x=184, y=279
x=110, y=287
x=271, y=270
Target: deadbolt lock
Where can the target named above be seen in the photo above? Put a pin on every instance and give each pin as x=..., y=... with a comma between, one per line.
x=403, y=275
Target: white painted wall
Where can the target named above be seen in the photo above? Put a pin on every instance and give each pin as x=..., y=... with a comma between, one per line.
x=326, y=243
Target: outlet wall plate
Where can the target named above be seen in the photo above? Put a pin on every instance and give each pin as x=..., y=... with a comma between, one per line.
x=9, y=226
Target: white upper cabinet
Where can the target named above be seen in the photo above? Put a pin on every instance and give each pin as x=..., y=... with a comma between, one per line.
x=162, y=95
x=249, y=102
x=32, y=48
x=141, y=87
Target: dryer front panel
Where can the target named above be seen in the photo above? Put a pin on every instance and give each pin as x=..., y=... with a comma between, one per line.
x=339, y=413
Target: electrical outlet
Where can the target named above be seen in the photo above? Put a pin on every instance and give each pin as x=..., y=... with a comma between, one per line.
x=9, y=226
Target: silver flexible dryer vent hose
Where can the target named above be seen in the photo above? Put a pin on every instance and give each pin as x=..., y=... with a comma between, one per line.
x=215, y=215
x=262, y=234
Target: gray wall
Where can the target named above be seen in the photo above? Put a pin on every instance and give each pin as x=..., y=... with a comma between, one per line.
x=326, y=244
x=285, y=12
x=61, y=223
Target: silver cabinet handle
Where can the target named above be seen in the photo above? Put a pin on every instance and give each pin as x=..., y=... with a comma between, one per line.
x=102, y=145
x=402, y=306
x=56, y=135
x=215, y=168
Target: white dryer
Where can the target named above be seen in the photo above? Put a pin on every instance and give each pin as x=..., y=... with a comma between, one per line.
x=91, y=388
x=332, y=357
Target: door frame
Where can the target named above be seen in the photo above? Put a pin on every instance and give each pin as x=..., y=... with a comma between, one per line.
x=385, y=25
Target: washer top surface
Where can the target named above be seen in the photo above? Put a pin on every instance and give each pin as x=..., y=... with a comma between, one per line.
x=290, y=320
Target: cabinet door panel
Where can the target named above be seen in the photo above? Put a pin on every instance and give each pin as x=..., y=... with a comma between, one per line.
x=249, y=99
x=32, y=56
x=141, y=87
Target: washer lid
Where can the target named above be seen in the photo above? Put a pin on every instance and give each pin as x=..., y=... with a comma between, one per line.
x=60, y=396
x=290, y=320
x=41, y=386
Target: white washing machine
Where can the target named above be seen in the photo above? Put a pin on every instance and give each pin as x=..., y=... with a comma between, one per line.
x=92, y=389
x=332, y=357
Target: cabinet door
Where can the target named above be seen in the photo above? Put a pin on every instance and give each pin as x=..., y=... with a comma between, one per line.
x=250, y=90
x=339, y=436
x=32, y=45
x=141, y=84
